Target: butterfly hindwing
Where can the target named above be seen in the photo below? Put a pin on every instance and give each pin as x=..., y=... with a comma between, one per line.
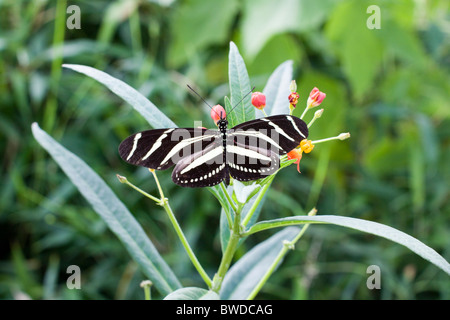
x=247, y=163
x=203, y=168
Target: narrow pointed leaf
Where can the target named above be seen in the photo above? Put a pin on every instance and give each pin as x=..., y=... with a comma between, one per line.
x=112, y=211
x=239, y=88
x=375, y=228
x=192, y=293
x=277, y=90
x=145, y=107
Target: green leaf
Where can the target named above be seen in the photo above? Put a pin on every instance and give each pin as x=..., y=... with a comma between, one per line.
x=224, y=227
x=243, y=192
x=221, y=197
x=195, y=26
x=359, y=48
x=362, y=225
x=239, y=87
x=147, y=109
x=277, y=90
x=112, y=211
x=192, y=293
x=263, y=19
x=245, y=274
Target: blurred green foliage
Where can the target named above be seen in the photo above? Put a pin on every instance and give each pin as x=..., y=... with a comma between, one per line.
x=389, y=87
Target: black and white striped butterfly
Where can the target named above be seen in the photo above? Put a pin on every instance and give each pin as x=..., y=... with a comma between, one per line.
x=203, y=157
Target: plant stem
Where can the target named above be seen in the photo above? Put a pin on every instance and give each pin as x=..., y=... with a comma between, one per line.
x=157, y=183
x=146, y=285
x=233, y=242
x=304, y=112
x=255, y=204
x=164, y=202
x=125, y=180
x=185, y=243
x=317, y=115
x=287, y=245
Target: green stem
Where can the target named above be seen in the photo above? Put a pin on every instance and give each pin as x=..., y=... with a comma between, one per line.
x=146, y=285
x=324, y=140
x=187, y=247
x=287, y=245
x=304, y=112
x=255, y=204
x=122, y=179
x=164, y=202
x=157, y=183
x=233, y=242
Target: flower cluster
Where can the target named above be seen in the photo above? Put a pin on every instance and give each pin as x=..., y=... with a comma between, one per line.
x=315, y=98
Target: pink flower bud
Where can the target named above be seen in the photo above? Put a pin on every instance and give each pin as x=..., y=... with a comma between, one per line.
x=315, y=98
x=217, y=113
x=258, y=100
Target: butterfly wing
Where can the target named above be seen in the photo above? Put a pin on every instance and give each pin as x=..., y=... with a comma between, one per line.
x=249, y=162
x=162, y=148
x=203, y=168
x=280, y=133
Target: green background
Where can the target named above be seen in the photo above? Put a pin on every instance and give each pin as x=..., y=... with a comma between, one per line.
x=388, y=87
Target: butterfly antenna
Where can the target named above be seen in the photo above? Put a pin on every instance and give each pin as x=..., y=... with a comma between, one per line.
x=198, y=95
x=241, y=100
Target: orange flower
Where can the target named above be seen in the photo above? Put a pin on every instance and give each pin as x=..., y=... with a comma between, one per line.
x=295, y=154
x=217, y=113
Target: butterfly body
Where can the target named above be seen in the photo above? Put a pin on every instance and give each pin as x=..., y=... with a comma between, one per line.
x=203, y=157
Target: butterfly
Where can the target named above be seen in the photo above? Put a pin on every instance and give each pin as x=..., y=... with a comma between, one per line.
x=203, y=157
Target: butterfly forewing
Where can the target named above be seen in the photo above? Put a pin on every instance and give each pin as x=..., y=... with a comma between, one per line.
x=162, y=148
x=281, y=132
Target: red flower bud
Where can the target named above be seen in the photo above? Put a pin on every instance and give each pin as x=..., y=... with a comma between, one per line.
x=258, y=100
x=217, y=113
x=315, y=98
